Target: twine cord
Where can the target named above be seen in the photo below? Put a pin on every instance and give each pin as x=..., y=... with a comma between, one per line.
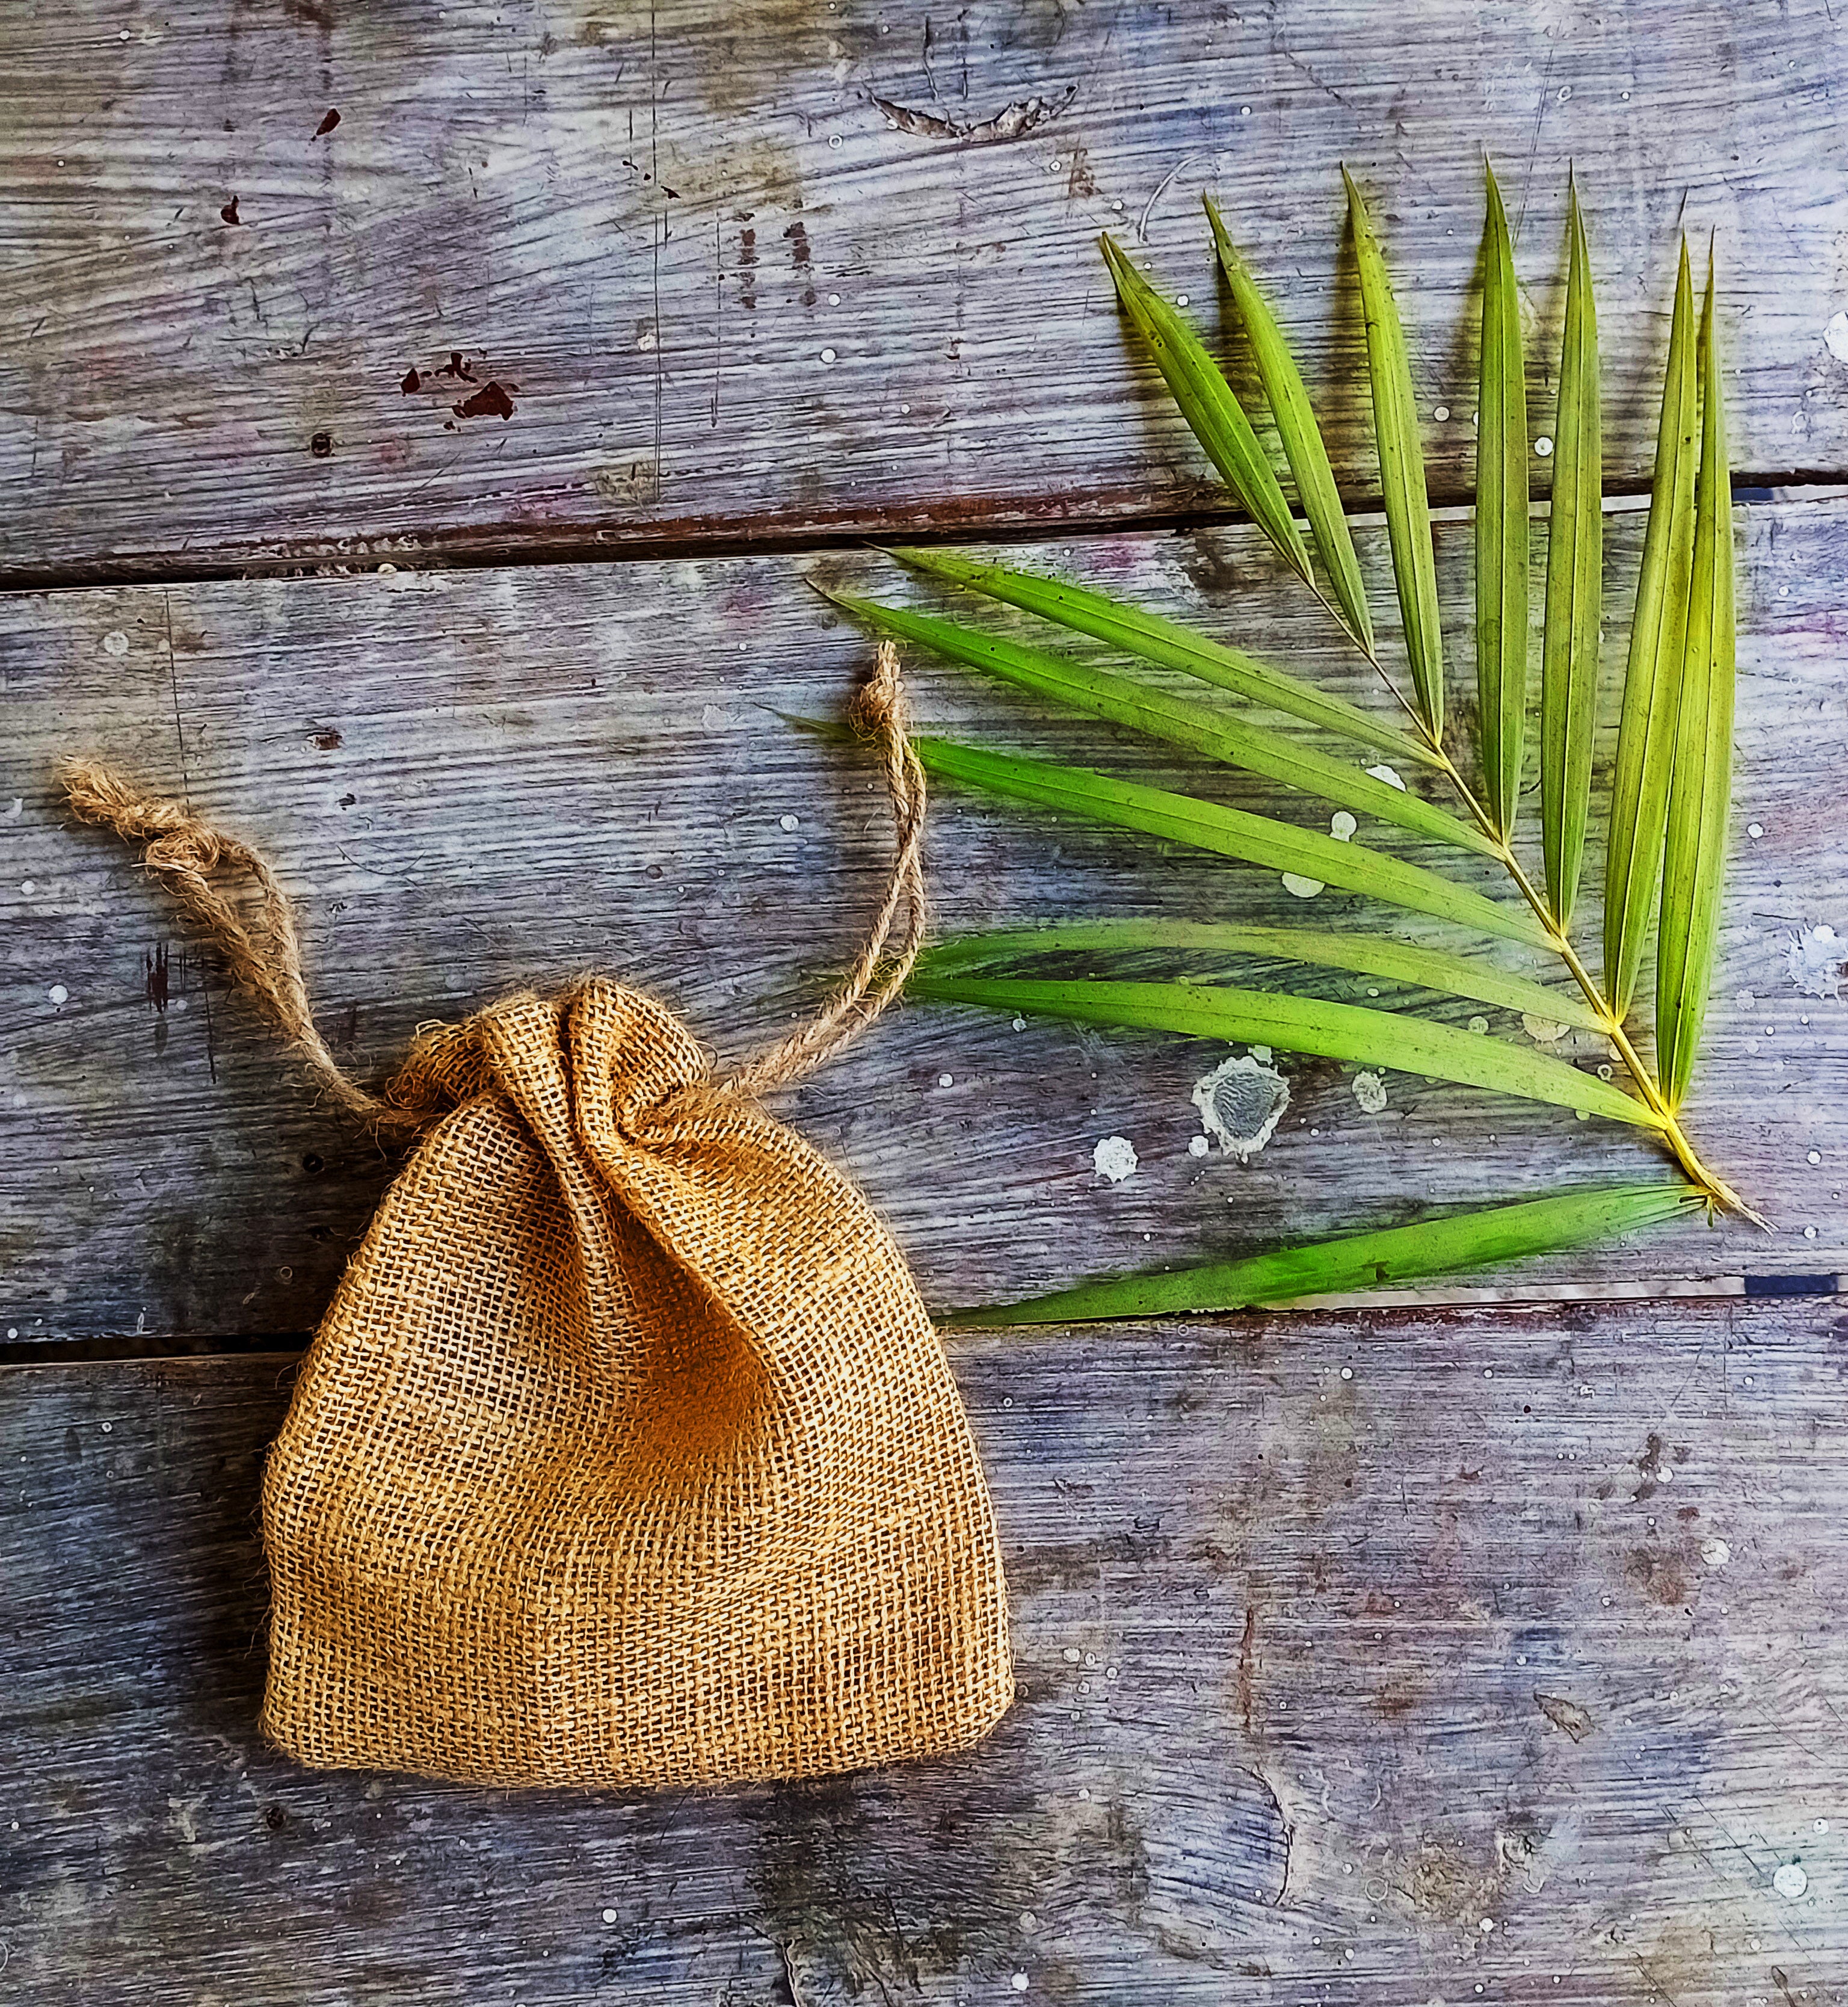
x=879, y=713
x=185, y=853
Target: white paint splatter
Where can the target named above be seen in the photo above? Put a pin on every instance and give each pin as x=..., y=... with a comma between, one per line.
x=1115, y=1158
x=1370, y=1091
x=1716, y=1553
x=1815, y=962
x=945, y=1079
x=1815, y=1157
x=788, y=823
x=1020, y=1023
x=1389, y=776
x=1300, y=888
x=609, y=1915
x=1241, y=1101
x=1544, y=446
x=1754, y=830
x=1542, y=1031
x=1480, y=1026
x=827, y=355
x=59, y=994
x=115, y=643
x=1261, y=1054
x=1789, y=1882
x=17, y=809
x=1440, y=412
x=27, y=889
x=1341, y=825
x=1835, y=336
x=1197, y=1146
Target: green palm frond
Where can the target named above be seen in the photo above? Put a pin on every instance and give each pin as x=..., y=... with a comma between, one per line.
x=1665, y=811
x=1575, y=586
x=1441, y=1246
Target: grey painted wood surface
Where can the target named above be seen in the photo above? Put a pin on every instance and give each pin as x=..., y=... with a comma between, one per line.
x=779, y=269
x=475, y=781
x=1365, y=1659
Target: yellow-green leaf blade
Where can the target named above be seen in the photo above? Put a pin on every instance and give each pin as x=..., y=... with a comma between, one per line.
x=1310, y=1024
x=1402, y=468
x=1252, y=839
x=1700, y=790
x=1207, y=402
x=1501, y=484
x=1471, y=1240
x=1359, y=953
x=1301, y=437
x=1574, y=586
x=1652, y=679
x=1202, y=727
x=1167, y=644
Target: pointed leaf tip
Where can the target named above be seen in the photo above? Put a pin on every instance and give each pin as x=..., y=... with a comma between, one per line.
x=1435, y=1246
x=1569, y=650
x=1647, y=734
x=1212, y=409
x=1501, y=532
x=1700, y=786
x=1402, y=471
x=1301, y=437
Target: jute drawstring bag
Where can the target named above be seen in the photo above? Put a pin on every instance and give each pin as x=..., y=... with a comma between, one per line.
x=626, y=1453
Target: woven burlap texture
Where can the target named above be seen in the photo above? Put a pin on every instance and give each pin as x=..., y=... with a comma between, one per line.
x=626, y=1453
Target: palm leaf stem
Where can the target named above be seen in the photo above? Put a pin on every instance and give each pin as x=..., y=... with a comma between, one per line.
x=1718, y=1192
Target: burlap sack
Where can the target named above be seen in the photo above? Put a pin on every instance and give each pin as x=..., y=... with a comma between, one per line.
x=626, y=1453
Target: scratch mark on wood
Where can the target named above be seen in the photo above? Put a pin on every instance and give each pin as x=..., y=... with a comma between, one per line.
x=179, y=734
x=1567, y=1715
x=1010, y=123
x=660, y=238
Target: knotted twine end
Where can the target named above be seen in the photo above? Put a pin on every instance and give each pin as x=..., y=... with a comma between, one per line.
x=184, y=852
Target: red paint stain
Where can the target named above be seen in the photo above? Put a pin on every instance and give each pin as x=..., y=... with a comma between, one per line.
x=229, y=213
x=321, y=445
x=799, y=240
x=747, y=271
x=155, y=962
x=491, y=401
x=326, y=740
x=412, y=381
x=456, y=367
x=327, y=125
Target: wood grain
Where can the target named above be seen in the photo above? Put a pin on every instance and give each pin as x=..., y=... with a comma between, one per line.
x=1364, y=1659
x=721, y=275
x=473, y=781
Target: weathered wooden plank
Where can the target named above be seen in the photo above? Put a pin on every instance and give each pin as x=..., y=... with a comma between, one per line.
x=1364, y=1659
x=472, y=781
x=732, y=281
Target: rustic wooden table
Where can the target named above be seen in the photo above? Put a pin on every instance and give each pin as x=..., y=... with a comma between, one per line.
x=1483, y=1647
